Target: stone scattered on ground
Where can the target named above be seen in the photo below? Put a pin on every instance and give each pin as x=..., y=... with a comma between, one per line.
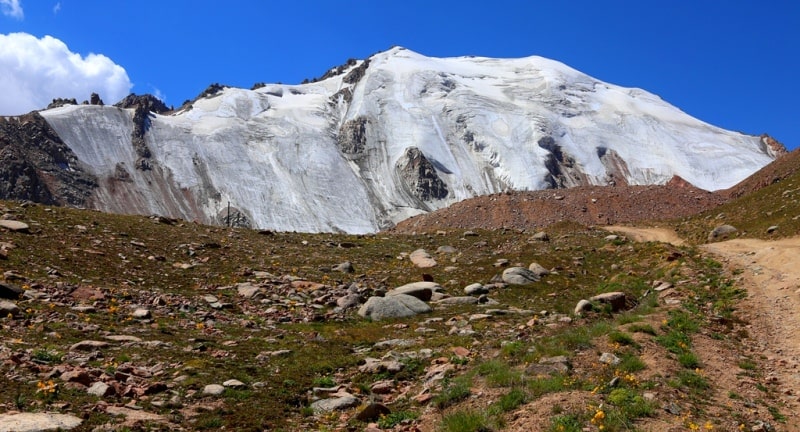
x=335, y=404
x=476, y=289
x=345, y=267
x=422, y=259
x=213, y=390
x=37, y=422
x=721, y=232
x=615, y=299
x=420, y=290
x=13, y=225
x=396, y=306
x=519, y=276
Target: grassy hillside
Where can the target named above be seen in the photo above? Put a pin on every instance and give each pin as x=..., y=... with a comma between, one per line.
x=458, y=368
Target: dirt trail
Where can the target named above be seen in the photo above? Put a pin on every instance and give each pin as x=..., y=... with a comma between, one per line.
x=771, y=274
x=664, y=235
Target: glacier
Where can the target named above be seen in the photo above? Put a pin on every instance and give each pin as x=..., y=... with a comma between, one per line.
x=393, y=136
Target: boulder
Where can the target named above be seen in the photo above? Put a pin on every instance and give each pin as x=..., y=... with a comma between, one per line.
x=36, y=422
x=475, y=289
x=8, y=308
x=213, y=390
x=538, y=269
x=247, y=290
x=422, y=259
x=335, y=404
x=396, y=306
x=100, y=389
x=583, y=306
x=10, y=291
x=721, y=232
x=519, y=276
x=616, y=299
x=541, y=236
x=420, y=290
x=13, y=225
x=345, y=267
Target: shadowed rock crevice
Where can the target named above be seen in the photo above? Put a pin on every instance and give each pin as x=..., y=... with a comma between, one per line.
x=352, y=138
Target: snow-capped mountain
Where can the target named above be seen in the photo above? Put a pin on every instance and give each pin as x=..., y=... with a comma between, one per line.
x=379, y=140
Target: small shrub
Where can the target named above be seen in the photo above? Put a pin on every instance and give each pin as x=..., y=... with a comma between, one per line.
x=393, y=419
x=464, y=421
x=621, y=338
x=631, y=363
x=47, y=356
x=510, y=401
x=453, y=392
x=551, y=384
x=565, y=423
x=688, y=360
x=747, y=364
x=642, y=328
x=499, y=374
x=325, y=381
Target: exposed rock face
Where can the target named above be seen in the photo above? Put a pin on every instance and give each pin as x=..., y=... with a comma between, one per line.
x=36, y=165
x=352, y=138
x=59, y=102
x=420, y=177
x=562, y=170
x=94, y=99
x=148, y=101
x=616, y=167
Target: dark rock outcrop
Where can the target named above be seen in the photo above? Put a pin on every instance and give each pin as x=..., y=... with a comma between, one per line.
x=420, y=177
x=59, y=102
x=352, y=138
x=148, y=101
x=36, y=165
x=94, y=99
x=563, y=171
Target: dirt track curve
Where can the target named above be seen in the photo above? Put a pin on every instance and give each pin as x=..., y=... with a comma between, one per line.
x=771, y=274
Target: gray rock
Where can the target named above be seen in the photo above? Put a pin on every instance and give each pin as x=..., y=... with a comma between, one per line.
x=458, y=300
x=233, y=383
x=722, y=231
x=37, y=422
x=476, y=289
x=334, y=404
x=583, y=306
x=88, y=345
x=8, y=308
x=141, y=314
x=420, y=290
x=422, y=259
x=538, y=269
x=519, y=276
x=348, y=301
x=247, y=290
x=13, y=225
x=396, y=306
x=213, y=390
x=345, y=267
x=100, y=389
x=541, y=236
x=772, y=229
x=10, y=291
x=616, y=299
x=446, y=250
x=611, y=237
x=610, y=359
x=373, y=412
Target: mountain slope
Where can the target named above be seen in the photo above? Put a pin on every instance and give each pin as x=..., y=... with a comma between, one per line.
x=376, y=141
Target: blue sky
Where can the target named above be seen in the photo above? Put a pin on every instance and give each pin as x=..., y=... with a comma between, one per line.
x=731, y=63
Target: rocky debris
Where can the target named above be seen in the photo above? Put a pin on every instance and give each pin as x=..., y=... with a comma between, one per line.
x=352, y=137
x=460, y=300
x=59, y=102
x=772, y=229
x=234, y=383
x=558, y=365
x=721, y=232
x=37, y=422
x=422, y=259
x=248, y=290
x=141, y=314
x=519, y=276
x=100, y=389
x=396, y=306
x=94, y=99
x=610, y=359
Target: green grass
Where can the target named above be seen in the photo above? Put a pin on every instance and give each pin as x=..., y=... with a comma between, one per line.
x=499, y=374
x=464, y=421
x=688, y=360
x=621, y=338
x=393, y=419
x=642, y=328
x=566, y=423
x=454, y=391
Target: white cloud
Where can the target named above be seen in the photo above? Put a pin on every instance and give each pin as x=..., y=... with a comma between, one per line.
x=35, y=71
x=57, y=8
x=12, y=8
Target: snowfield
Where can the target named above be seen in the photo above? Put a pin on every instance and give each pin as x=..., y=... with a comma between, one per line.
x=333, y=155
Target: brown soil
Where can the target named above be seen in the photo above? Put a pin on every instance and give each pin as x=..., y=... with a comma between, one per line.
x=591, y=205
